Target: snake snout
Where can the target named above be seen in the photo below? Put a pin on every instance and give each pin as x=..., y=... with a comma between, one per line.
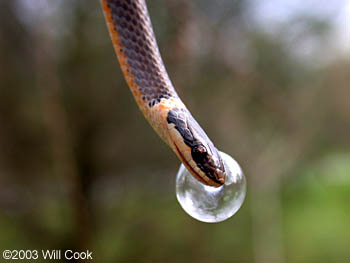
x=220, y=176
x=214, y=169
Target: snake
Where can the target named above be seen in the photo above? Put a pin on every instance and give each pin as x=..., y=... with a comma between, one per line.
x=135, y=45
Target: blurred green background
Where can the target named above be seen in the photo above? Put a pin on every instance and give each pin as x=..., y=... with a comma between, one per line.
x=81, y=169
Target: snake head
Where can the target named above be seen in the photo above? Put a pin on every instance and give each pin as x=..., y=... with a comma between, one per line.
x=194, y=148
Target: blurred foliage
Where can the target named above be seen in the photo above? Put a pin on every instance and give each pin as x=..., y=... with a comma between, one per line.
x=80, y=168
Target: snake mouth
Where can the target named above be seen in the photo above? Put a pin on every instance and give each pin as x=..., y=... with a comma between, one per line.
x=207, y=181
x=189, y=167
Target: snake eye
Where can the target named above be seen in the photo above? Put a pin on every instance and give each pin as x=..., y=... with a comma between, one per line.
x=200, y=149
x=199, y=152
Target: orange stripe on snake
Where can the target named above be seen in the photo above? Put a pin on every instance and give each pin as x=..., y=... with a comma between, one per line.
x=134, y=42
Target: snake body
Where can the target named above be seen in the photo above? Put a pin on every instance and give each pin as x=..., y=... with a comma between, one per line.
x=134, y=42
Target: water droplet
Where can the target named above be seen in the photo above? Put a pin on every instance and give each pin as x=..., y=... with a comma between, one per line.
x=212, y=204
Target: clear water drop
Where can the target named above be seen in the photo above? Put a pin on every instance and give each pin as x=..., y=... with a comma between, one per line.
x=212, y=204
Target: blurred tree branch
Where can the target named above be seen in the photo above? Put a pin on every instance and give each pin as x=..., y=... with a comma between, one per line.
x=56, y=122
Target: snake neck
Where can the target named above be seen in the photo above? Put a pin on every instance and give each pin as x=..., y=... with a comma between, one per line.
x=134, y=42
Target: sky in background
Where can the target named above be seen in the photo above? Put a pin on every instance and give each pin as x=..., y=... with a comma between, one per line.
x=270, y=12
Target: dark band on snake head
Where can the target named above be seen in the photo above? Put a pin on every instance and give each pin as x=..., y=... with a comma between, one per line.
x=193, y=136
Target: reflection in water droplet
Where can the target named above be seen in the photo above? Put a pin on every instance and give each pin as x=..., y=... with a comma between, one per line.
x=212, y=204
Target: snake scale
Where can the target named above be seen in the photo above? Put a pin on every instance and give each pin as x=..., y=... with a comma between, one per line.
x=131, y=31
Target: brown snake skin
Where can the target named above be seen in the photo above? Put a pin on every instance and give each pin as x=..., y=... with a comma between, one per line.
x=134, y=42
x=137, y=43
